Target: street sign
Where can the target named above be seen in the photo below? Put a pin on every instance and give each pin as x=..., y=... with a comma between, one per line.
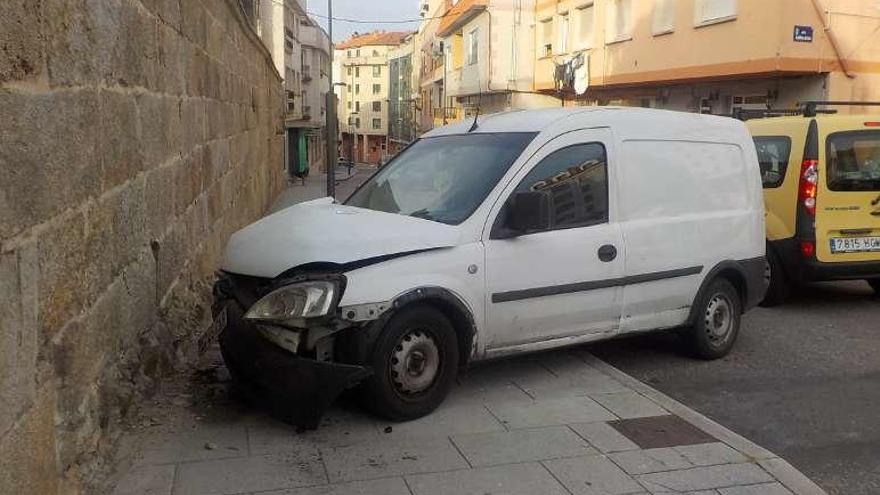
x=803, y=34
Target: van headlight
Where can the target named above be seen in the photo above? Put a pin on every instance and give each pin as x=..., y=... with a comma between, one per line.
x=298, y=300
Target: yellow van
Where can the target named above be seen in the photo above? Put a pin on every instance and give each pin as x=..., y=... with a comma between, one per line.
x=821, y=176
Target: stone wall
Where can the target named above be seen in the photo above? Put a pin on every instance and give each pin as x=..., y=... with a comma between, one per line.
x=136, y=136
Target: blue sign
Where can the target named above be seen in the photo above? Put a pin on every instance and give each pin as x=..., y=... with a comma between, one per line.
x=803, y=34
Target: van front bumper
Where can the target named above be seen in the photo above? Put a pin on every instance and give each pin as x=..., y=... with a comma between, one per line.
x=800, y=269
x=294, y=388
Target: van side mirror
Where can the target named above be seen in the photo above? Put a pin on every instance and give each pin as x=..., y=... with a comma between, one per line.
x=527, y=211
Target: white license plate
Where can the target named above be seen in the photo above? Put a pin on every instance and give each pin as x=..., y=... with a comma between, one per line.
x=855, y=244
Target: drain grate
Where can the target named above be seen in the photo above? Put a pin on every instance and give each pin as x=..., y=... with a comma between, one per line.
x=661, y=431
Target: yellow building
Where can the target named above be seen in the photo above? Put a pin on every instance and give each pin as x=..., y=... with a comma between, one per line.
x=712, y=56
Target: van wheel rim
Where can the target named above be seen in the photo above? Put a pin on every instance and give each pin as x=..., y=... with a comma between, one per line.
x=414, y=362
x=718, y=319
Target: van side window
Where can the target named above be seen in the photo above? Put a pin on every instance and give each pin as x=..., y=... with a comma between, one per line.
x=773, y=153
x=576, y=178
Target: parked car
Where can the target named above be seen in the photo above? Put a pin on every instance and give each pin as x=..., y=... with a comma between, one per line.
x=821, y=176
x=529, y=230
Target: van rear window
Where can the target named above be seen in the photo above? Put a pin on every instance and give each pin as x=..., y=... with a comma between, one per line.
x=853, y=161
x=773, y=153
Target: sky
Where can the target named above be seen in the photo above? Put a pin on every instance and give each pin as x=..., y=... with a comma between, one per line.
x=371, y=10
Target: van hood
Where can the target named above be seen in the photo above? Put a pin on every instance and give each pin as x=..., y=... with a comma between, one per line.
x=322, y=231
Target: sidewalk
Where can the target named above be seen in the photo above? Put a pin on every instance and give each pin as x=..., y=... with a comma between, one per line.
x=315, y=186
x=560, y=422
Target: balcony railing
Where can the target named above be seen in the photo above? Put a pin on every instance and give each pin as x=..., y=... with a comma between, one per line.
x=449, y=113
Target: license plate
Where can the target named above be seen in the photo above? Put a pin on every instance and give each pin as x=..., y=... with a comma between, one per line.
x=855, y=244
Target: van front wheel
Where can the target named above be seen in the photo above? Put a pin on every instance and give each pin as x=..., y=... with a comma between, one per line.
x=414, y=361
x=716, y=325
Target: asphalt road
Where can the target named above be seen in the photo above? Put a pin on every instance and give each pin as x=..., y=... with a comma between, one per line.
x=802, y=381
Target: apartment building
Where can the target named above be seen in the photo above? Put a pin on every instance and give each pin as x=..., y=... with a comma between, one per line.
x=711, y=56
x=402, y=94
x=488, y=48
x=428, y=58
x=362, y=79
x=301, y=52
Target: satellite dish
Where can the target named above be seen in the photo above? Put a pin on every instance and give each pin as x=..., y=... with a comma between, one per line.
x=582, y=76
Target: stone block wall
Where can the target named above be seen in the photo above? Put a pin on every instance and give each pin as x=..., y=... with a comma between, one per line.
x=136, y=136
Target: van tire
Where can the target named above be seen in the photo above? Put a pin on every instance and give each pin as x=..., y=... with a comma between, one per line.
x=424, y=338
x=875, y=284
x=778, y=289
x=716, y=322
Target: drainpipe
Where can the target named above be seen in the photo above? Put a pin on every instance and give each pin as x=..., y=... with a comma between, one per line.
x=820, y=9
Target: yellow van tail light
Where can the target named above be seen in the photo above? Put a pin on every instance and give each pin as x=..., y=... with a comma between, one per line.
x=809, y=184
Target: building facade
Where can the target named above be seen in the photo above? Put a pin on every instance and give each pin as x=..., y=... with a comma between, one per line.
x=402, y=97
x=301, y=52
x=487, y=47
x=362, y=83
x=712, y=56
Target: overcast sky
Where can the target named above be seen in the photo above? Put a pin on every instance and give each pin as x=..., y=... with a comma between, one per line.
x=372, y=10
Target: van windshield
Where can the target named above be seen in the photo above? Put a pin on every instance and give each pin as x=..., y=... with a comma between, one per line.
x=854, y=161
x=442, y=178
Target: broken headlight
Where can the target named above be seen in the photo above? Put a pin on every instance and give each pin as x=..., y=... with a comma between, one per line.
x=299, y=300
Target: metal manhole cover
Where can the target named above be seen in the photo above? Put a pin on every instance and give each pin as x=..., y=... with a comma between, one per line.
x=661, y=431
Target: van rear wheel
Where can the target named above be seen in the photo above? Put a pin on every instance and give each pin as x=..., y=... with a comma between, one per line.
x=778, y=288
x=875, y=284
x=716, y=325
x=414, y=361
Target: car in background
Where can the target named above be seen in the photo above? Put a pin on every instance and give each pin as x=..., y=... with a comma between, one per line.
x=821, y=178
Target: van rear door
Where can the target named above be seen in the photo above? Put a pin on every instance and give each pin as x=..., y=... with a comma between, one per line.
x=848, y=199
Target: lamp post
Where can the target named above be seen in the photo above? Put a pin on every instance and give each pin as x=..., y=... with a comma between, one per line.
x=331, y=124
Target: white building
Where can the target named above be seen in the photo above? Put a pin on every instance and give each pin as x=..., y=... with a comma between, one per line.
x=301, y=52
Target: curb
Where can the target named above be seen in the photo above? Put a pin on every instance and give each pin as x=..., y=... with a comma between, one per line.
x=793, y=479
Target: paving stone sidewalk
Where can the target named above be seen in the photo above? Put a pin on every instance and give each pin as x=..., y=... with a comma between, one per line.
x=560, y=422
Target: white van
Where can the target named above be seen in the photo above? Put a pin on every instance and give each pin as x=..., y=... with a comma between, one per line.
x=526, y=230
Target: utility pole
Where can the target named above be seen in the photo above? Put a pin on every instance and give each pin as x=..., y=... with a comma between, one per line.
x=331, y=113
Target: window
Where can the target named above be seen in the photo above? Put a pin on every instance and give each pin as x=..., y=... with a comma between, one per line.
x=773, y=153
x=375, y=53
x=562, y=43
x=713, y=11
x=377, y=88
x=443, y=178
x=357, y=106
x=349, y=105
x=586, y=25
x=377, y=70
x=357, y=72
x=377, y=123
x=854, y=161
x=664, y=17
x=473, y=45
x=377, y=106
x=546, y=48
x=357, y=123
x=357, y=89
x=348, y=71
x=358, y=52
x=349, y=54
x=619, y=21
x=575, y=178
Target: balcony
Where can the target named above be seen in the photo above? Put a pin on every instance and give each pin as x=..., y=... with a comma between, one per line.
x=306, y=73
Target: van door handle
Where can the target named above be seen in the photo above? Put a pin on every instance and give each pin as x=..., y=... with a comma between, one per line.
x=607, y=253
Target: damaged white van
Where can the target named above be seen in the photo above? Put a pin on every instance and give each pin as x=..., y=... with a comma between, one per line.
x=517, y=232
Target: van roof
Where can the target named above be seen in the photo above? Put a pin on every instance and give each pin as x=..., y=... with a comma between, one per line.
x=628, y=122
